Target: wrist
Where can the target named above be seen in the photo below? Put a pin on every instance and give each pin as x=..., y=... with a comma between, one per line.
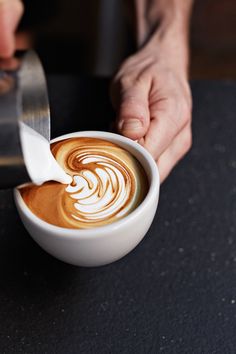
x=162, y=28
x=170, y=44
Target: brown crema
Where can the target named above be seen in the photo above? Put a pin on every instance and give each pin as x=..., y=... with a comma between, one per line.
x=108, y=183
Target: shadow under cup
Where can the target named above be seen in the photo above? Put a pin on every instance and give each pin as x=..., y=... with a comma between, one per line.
x=105, y=244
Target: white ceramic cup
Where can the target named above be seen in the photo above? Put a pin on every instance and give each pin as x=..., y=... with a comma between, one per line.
x=104, y=244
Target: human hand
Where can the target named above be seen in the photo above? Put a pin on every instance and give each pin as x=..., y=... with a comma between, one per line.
x=10, y=14
x=152, y=98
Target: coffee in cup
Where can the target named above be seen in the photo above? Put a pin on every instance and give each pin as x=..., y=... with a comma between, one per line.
x=108, y=184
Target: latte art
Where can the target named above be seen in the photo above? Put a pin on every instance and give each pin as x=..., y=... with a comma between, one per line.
x=102, y=193
x=108, y=183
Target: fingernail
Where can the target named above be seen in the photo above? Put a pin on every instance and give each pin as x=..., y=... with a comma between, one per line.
x=131, y=124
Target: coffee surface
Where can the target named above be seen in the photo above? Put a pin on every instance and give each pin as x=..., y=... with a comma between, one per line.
x=108, y=183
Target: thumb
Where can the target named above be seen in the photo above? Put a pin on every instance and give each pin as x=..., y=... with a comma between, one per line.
x=133, y=111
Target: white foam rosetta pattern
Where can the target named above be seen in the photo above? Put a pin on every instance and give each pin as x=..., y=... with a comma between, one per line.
x=107, y=180
x=102, y=193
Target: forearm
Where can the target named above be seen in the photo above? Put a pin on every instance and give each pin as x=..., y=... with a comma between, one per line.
x=152, y=16
x=165, y=24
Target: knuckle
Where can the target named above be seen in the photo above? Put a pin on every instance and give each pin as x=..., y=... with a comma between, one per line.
x=186, y=112
x=184, y=115
x=129, y=81
x=129, y=61
x=187, y=142
x=126, y=81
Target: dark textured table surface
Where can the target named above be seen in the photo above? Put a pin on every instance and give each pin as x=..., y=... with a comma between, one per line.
x=176, y=292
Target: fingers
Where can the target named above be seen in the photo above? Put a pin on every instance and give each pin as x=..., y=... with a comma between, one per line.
x=130, y=98
x=9, y=63
x=168, y=117
x=179, y=147
x=10, y=13
x=154, y=106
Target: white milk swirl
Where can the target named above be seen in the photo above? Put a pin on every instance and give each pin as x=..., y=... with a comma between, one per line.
x=108, y=183
x=103, y=193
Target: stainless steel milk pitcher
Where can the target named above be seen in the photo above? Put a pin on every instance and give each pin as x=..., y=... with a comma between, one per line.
x=23, y=98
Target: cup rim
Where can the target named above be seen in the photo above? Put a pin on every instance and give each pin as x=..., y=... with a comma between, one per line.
x=154, y=189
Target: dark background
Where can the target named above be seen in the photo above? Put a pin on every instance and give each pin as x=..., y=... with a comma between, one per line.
x=176, y=292
x=81, y=36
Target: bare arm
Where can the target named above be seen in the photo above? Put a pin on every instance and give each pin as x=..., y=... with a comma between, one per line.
x=157, y=20
x=153, y=15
